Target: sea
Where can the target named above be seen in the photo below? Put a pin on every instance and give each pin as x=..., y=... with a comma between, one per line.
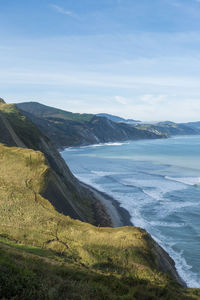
x=158, y=183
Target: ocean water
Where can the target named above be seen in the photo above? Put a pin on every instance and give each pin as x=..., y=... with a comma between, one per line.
x=158, y=182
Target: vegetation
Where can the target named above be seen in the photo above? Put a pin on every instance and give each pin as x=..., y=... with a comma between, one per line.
x=169, y=128
x=61, y=188
x=33, y=273
x=24, y=129
x=46, y=255
x=68, y=129
x=47, y=112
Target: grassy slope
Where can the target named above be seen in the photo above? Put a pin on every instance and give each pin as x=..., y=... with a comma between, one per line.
x=62, y=189
x=25, y=130
x=46, y=255
x=44, y=111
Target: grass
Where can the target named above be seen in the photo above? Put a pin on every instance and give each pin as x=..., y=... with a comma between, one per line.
x=28, y=274
x=25, y=130
x=33, y=138
x=54, y=114
x=46, y=255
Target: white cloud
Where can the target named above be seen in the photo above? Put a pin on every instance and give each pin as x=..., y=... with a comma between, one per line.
x=161, y=85
x=94, y=79
x=63, y=11
x=121, y=100
x=153, y=99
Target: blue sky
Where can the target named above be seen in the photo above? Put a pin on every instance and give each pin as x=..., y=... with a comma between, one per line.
x=134, y=58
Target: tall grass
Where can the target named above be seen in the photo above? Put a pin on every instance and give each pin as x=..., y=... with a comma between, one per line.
x=46, y=255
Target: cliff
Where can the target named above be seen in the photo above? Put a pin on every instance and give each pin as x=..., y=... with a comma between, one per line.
x=62, y=189
x=68, y=129
x=45, y=254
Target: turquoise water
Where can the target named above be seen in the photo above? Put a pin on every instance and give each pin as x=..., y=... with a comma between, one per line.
x=158, y=182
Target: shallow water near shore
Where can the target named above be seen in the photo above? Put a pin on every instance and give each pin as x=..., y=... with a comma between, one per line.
x=158, y=182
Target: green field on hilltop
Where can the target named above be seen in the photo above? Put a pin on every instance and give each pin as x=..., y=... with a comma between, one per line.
x=46, y=255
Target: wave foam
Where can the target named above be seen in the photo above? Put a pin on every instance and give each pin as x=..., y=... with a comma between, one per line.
x=107, y=144
x=102, y=174
x=134, y=208
x=183, y=268
x=155, y=188
x=185, y=180
x=167, y=224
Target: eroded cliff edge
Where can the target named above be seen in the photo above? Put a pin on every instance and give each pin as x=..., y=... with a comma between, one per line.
x=62, y=188
x=56, y=184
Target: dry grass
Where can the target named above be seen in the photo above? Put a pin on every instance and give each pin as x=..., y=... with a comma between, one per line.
x=105, y=263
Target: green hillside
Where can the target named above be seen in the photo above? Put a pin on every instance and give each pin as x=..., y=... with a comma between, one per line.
x=47, y=112
x=170, y=128
x=45, y=254
x=62, y=189
x=69, y=129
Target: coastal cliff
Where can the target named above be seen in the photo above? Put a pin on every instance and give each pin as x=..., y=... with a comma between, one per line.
x=68, y=129
x=62, y=188
x=50, y=255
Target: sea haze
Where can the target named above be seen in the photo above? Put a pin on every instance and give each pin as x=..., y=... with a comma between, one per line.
x=158, y=182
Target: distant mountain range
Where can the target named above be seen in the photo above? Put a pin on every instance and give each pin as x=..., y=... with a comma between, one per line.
x=171, y=128
x=167, y=127
x=118, y=119
x=194, y=125
x=66, y=129
x=69, y=129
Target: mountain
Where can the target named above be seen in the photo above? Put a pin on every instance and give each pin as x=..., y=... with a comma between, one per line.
x=194, y=125
x=170, y=128
x=68, y=129
x=117, y=119
x=46, y=254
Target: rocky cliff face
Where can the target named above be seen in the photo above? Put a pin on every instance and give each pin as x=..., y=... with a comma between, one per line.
x=63, y=190
x=28, y=216
x=68, y=129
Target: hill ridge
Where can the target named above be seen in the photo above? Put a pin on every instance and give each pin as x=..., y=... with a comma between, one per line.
x=80, y=131
x=61, y=185
x=45, y=254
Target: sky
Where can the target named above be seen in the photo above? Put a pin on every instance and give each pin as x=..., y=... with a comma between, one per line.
x=137, y=59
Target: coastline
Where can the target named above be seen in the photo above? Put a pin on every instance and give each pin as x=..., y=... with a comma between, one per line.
x=120, y=217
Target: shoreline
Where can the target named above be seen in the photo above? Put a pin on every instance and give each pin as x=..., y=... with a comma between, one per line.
x=110, y=143
x=120, y=217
